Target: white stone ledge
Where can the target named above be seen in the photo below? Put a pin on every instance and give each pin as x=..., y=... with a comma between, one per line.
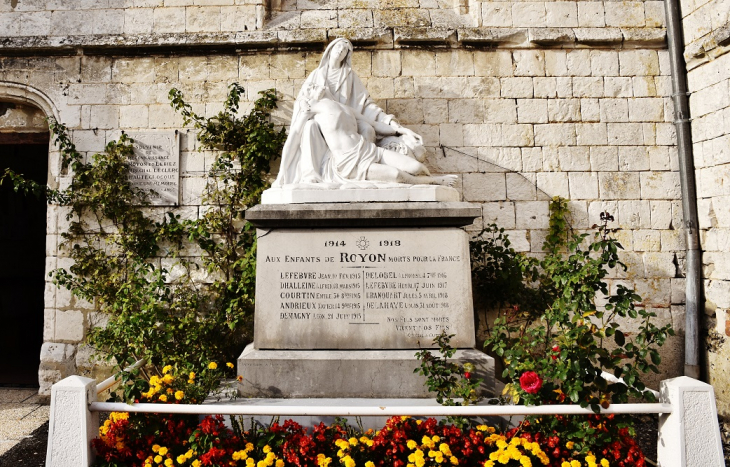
x=377, y=38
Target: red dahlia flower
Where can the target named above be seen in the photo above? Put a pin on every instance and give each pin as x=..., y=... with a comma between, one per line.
x=530, y=382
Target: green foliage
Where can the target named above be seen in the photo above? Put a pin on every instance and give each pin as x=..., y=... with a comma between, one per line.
x=554, y=340
x=447, y=379
x=181, y=316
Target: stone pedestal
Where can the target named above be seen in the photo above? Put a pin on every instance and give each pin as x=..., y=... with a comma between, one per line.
x=347, y=293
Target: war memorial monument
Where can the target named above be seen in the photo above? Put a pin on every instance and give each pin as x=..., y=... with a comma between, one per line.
x=362, y=259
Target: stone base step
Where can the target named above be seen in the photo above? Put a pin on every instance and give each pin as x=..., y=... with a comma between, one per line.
x=345, y=373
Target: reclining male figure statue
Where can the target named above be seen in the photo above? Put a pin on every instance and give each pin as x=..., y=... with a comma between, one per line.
x=354, y=157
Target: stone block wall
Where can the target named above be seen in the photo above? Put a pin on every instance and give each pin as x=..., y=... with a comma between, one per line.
x=707, y=34
x=523, y=100
x=518, y=126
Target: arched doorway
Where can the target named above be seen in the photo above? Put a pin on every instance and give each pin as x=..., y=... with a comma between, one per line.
x=24, y=142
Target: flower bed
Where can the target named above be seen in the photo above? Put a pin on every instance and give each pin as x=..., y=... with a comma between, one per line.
x=174, y=440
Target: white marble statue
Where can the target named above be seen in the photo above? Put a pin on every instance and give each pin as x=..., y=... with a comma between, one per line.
x=339, y=136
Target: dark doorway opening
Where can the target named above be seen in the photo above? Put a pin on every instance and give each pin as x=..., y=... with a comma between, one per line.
x=22, y=260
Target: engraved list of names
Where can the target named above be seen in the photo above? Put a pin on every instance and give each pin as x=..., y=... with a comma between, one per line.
x=364, y=288
x=155, y=166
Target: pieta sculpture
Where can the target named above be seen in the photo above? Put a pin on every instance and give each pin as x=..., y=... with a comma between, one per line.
x=340, y=137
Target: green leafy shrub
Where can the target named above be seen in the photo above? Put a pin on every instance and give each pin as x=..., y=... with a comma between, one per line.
x=178, y=315
x=555, y=342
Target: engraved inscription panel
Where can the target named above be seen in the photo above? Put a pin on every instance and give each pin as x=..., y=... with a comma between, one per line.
x=156, y=166
x=362, y=288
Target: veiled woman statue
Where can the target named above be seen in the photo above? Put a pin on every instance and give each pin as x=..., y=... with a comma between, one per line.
x=307, y=158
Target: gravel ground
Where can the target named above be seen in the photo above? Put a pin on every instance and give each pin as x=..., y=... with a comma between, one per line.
x=30, y=452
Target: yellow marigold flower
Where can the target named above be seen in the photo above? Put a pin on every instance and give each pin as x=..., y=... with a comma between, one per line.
x=168, y=462
x=179, y=395
x=349, y=461
x=169, y=390
x=574, y=463
x=189, y=454
x=411, y=444
x=604, y=462
x=236, y=455
x=454, y=460
x=250, y=462
x=116, y=416
x=212, y=365
x=352, y=441
x=489, y=464
x=267, y=449
x=181, y=459
x=166, y=369
x=279, y=463
x=191, y=381
x=162, y=451
x=155, y=448
x=163, y=398
x=369, y=464
x=229, y=365
x=404, y=417
x=525, y=461
x=155, y=380
x=420, y=462
x=443, y=447
x=418, y=422
x=435, y=439
x=569, y=445
x=196, y=463
x=168, y=379
x=158, y=459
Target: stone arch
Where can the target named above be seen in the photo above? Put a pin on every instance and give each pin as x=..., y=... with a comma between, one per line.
x=24, y=94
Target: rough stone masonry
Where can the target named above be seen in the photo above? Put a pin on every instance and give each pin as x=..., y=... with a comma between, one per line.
x=525, y=100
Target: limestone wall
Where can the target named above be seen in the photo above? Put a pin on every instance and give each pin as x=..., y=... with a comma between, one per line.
x=707, y=33
x=518, y=125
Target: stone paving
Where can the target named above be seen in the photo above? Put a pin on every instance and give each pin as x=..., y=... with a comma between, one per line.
x=21, y=412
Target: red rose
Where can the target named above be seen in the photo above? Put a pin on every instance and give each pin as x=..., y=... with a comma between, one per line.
x=530, y=382
x=556, y=349
x=467, y=375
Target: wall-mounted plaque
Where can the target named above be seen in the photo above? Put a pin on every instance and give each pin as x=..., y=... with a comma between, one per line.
x=156, y=165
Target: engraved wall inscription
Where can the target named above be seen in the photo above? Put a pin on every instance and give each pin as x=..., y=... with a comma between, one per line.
x=156, y=166
x=362, y=288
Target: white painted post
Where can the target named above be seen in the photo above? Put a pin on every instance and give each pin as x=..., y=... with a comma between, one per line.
x=72, y=426
x=690, y=435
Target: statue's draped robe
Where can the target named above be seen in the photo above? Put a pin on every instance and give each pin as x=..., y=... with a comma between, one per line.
x=309, y=160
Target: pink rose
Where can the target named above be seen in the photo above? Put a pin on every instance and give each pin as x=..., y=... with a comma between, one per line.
x=530, y=382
